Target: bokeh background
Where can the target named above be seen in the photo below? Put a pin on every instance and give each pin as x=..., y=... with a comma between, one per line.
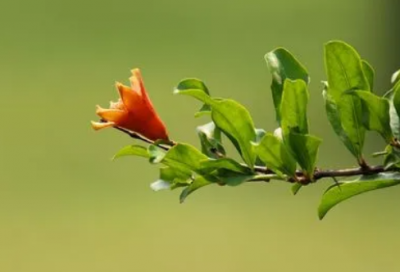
x=65, y=206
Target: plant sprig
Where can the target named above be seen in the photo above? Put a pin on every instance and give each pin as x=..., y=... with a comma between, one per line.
x=290, y=153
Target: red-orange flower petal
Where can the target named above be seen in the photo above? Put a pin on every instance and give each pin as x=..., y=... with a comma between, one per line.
x=111, y=115
x=129, y=98
x=133, y=111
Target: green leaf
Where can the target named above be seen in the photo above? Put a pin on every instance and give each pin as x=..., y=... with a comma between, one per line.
x=195, y=84
x=283, y=65
x=224, y=163
x=185, y=161
x=305, y=150
x=183, y=157
x=210, y=140
x=376, y=114
x=132, y=150
x=294, y=106
x=233, y=120
x=369, y=73
x=345, y=72
x=296, y=188
x=273, y=152
x=338, y=193
x=344, y=69
x=197, y=183
x=333, y=115
x=395, y=77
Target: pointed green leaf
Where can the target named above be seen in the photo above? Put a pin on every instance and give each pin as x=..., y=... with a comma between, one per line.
x=338, y=193
x=369, y=73
x=376, y=114
x=195, y=84
x=197, y=183
x=275, y=155
x=132, y=150
x=304, y=149
x=294, y=106
x=283, y=65
x=199, y=94
x=224, y=163
x=210, y=140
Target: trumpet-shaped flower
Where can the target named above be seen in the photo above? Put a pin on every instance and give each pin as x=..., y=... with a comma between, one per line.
x=133, y=111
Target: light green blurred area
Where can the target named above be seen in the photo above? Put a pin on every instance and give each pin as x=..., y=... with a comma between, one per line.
x=65, y=206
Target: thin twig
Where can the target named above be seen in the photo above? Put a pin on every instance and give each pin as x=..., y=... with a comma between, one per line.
x=166, y=145
x=364, y=169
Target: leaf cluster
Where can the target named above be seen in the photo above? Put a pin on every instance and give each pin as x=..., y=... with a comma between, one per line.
x=290, y=152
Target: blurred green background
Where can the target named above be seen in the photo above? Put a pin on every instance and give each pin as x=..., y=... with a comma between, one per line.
x=64, y=206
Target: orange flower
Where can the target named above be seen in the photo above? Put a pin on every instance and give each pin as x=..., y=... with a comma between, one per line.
x=133, y=111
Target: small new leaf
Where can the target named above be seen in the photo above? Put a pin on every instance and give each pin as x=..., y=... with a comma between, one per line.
x=395, y=77
x=210, y=140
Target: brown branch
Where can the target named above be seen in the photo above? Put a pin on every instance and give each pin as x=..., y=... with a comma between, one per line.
x=364, y=169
